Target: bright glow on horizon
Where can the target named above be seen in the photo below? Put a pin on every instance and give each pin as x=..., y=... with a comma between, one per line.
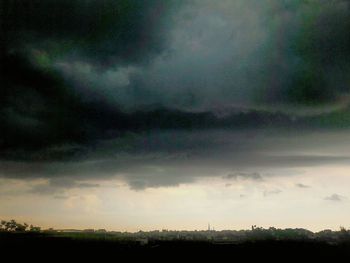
x=313, y=198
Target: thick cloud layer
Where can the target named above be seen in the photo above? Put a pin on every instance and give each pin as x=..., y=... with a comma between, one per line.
x=241, y=54
x=75, y=74
x=172, y=158
x=103, y=31
x=40, y=106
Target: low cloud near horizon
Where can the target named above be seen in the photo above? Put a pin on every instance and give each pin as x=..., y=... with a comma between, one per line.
x=171, y=158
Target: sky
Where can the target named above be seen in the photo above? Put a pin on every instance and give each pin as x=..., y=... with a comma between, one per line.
x=130, y=115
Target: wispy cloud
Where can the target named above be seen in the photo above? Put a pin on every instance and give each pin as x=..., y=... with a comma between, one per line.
x=300, y=185
x=58, y=186
x=245, y=175
x=271, y=192
x=335, y=198
x=61, y=197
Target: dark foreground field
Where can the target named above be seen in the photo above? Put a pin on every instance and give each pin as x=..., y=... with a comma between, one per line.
x=43, y=246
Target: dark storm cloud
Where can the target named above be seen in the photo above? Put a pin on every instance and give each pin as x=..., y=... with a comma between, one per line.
x=70, y=68
x=246, y=54
x=173, y=158
x=123, y=31
x=309, y=63
x=135, y=89
x=41, y=107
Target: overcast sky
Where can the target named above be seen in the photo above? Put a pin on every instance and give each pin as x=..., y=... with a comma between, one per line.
x=169, y=114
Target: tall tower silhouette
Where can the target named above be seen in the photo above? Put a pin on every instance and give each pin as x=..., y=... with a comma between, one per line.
x=208, y=226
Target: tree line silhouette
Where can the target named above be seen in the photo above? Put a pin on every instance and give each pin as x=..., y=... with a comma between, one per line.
x=13, y=226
